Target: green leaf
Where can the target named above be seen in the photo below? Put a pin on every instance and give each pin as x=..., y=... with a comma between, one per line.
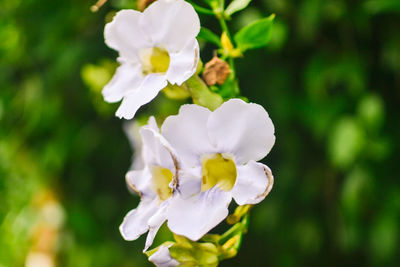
x=209, y=36
x=255, y=35
x=235, y=6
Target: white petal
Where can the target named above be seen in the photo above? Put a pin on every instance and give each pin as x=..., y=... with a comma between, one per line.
x=162, y=258
x=242, y=129
x=156, y=150
x=152, y=124
x=254, y=182
x=189, y=182
x=139, y=181
x=155, y=223
x=148, y=90
x=184, y=63
x=131, y=129
x=171, y=23
x=125, y=79
x=187, y=133
x=125, y=35
x=136, y=221
x=196, y=216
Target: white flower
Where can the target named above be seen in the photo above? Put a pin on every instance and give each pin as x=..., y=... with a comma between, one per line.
x=162, y=258
x=155, y=47
x=154, y=184
x=218, y=152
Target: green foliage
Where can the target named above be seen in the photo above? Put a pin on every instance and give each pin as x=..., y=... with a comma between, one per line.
x=255, y=35
x=382, y=6
x=329, y=79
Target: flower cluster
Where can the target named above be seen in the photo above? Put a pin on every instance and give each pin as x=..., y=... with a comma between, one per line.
x=195, y=165
x=188, y=171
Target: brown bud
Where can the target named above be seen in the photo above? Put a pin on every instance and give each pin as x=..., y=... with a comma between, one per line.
x=142, y=4
x=216, y=71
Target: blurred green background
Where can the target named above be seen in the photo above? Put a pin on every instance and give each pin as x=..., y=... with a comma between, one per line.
x=330, y=80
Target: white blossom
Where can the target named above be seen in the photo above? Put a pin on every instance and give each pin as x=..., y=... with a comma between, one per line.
x=218, y=153
x=154, y=183
x=156, y=47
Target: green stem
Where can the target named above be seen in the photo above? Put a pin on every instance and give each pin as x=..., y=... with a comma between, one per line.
x=224, y=26
x=221, y=19
x=201, y=9
x=239, y=227
x=232, y=66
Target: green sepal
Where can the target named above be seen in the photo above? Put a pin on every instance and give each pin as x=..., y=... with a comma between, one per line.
x=189, y=253
x=151, y=252
x=237, y=215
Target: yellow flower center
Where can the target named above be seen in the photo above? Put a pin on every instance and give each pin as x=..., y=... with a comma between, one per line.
x=218, y=170
x=154, y=60
x=161, y=177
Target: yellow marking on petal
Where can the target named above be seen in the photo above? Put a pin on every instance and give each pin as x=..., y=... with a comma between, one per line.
x=161, y=178
x=219, y=171
x=154, y=60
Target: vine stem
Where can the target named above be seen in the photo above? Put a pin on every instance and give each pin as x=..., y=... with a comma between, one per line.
x=221, y=18
x=201, y=9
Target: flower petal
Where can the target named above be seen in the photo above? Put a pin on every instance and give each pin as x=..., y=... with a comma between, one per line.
x=242, y=129
x=131, y=129
x=196, y=216
x=148, y=90
x=189, y=182
x=152, y=124
x=254, y=182
x=125, y=35
x=136, y=221
x=162, y=258
x=139, y=181
x=155, y=223
x=171, y=23
x=183, y=63
x=187, y=133
x=124, y=80
x=156, y=150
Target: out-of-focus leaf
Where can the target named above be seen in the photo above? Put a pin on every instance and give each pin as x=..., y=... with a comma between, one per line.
x=357, y=189
x=279, y=35
x=255, y=35
x=371, y=111
x=97, y=76
x=385, y=236
x=236, y=5
x=382, y=6
x=248, y=16
x=346, y=142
